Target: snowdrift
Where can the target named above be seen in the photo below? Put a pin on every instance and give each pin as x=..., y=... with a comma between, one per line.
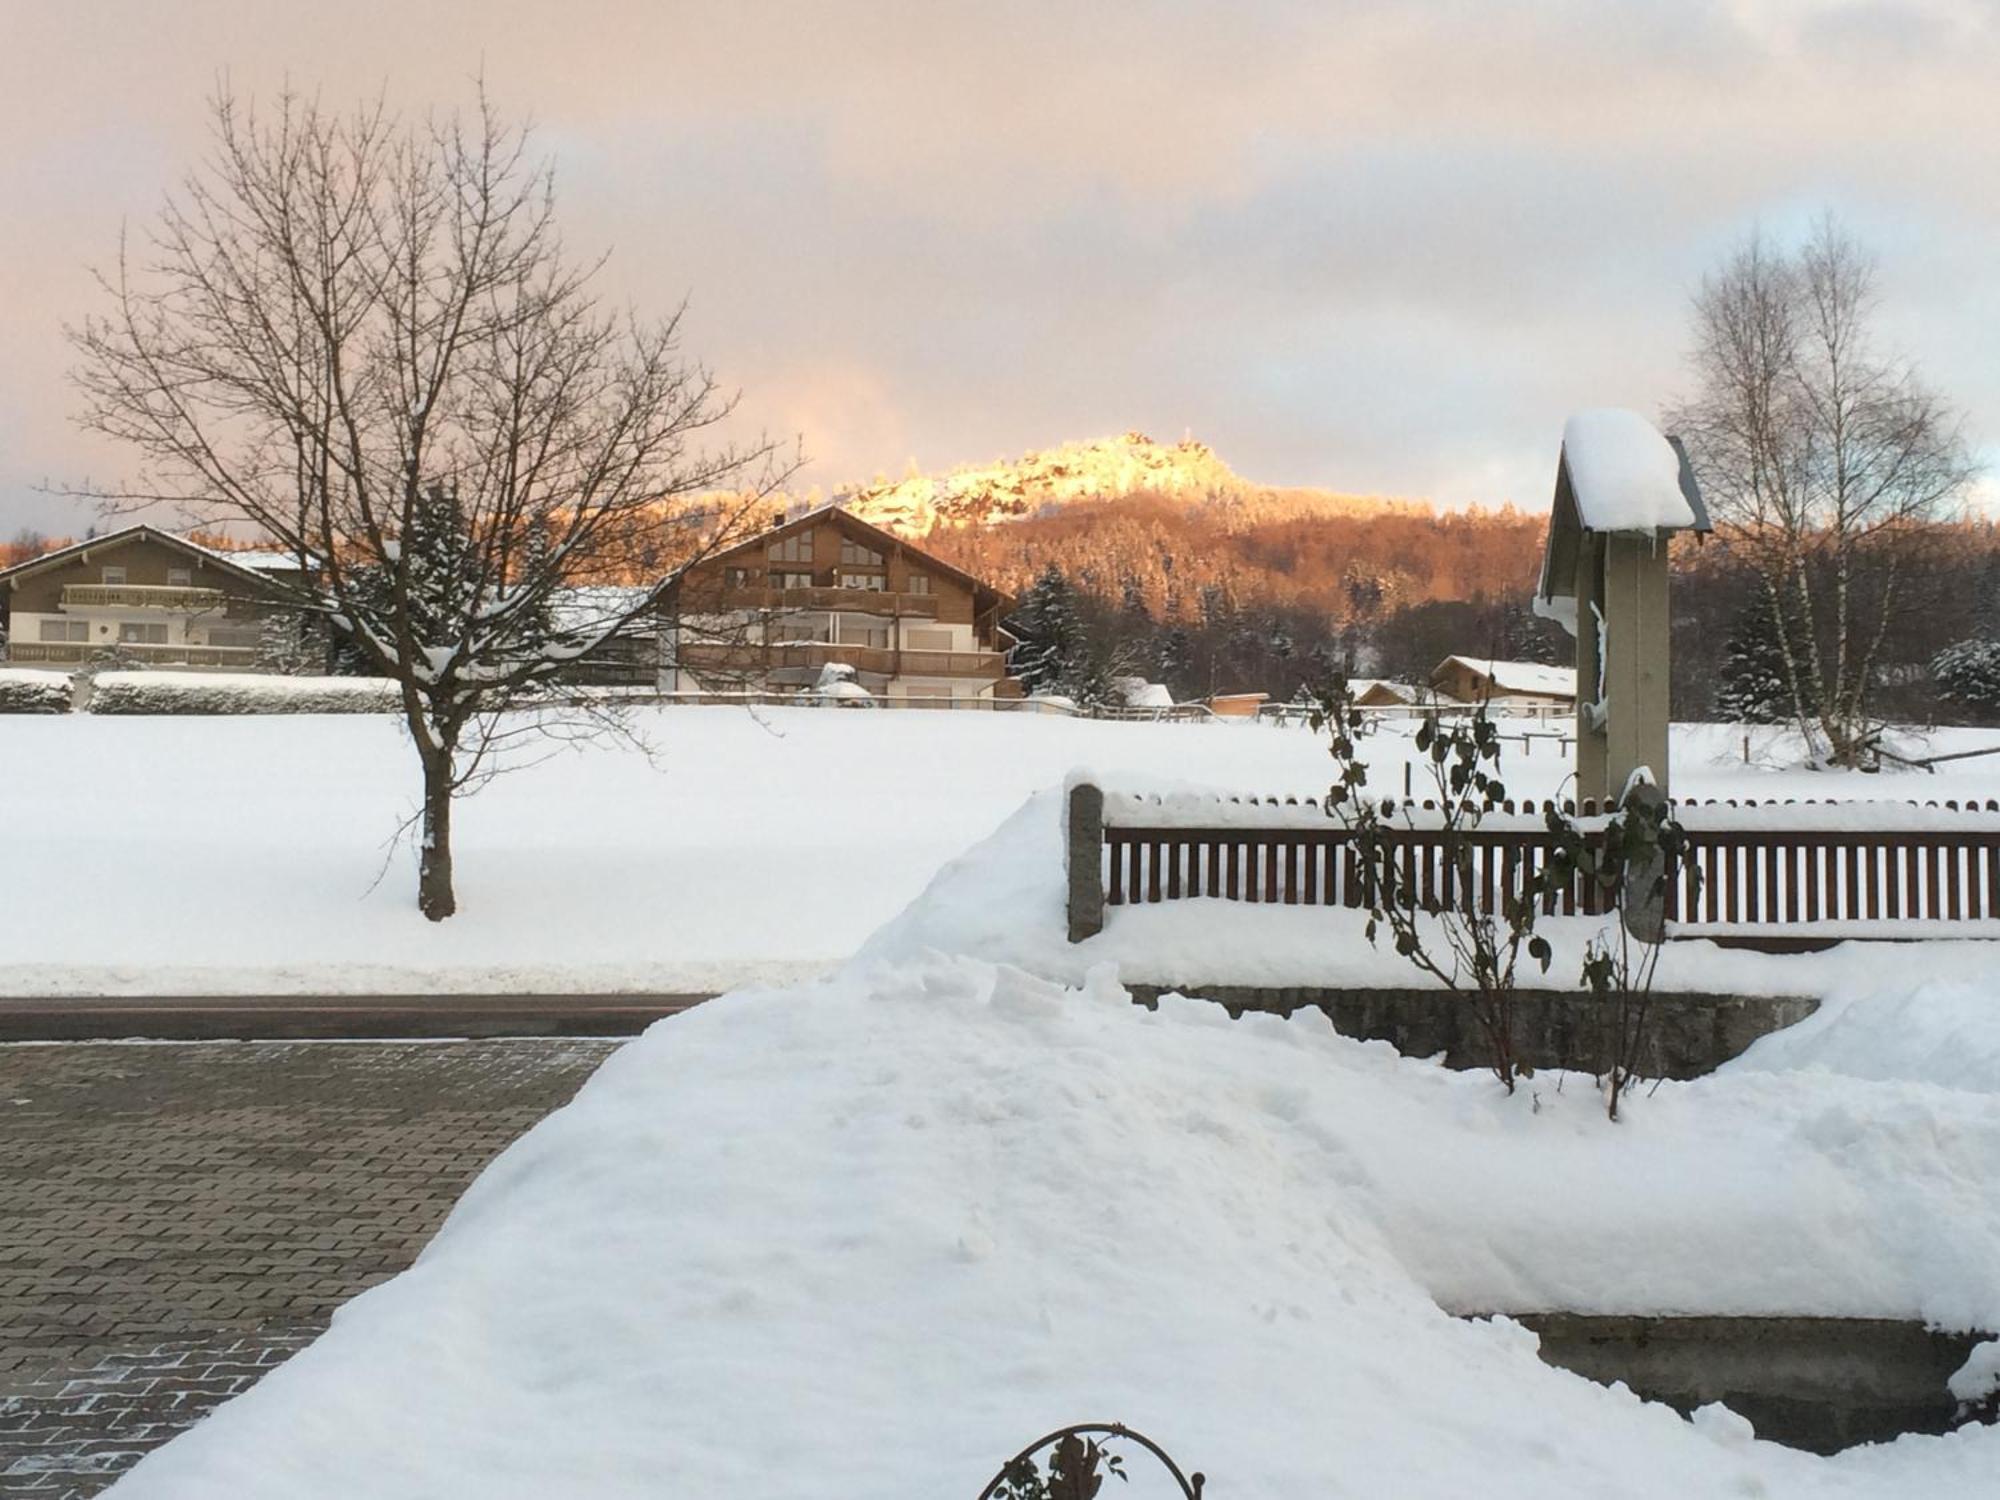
x=864, y=1238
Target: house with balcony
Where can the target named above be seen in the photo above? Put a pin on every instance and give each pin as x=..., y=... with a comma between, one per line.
x=825, y=588
x=144, y=595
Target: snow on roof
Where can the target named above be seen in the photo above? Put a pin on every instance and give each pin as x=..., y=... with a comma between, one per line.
x=1139, y=693
x=1361, y=687
x=1623, y=474
x=594, y=606
x=1519, y=676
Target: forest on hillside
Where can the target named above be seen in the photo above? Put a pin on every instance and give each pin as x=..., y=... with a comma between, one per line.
x=1173, y=593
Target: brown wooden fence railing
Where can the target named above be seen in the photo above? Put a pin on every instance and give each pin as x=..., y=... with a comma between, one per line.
x=1942, y=866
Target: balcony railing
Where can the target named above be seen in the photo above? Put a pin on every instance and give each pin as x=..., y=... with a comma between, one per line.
x=142, y=596
x=749, y=659
x=853, y=601
x=76, y=653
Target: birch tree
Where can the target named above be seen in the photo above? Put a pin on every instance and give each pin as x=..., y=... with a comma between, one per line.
x=361, y=336
x=1822, y=459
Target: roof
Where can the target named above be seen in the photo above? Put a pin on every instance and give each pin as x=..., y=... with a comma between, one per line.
x=1362, y=687
x=1622, y=475
x=854, y=523
x=1529, y=677
x=115, y=539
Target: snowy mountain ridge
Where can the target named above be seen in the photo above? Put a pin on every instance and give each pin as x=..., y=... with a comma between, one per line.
x=1048, y=479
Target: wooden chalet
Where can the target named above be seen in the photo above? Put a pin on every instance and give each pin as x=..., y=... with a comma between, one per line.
x=826, y=589
x=142, y=594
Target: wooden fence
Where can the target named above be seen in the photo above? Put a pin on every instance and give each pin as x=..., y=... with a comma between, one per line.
x=1747, y=872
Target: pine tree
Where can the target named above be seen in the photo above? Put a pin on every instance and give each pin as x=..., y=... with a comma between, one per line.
x=1049, y=634
x=1754, y=687
x=1968, y=676
x=1174, y=660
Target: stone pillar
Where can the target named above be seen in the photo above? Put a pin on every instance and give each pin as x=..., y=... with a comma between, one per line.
x=1083, y=831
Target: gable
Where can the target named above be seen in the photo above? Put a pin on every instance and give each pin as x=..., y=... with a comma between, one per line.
x=144, y=548
x=834, y=517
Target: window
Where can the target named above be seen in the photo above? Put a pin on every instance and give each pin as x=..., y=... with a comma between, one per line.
x=854, y=552
x=798, y=547
x=112, y=575
x=65, y=630
x=920, y=583
x=861, y=581
x=854, y=633
x=738, y=578
x=794, y=580
x=141, y=633
x=179, y=578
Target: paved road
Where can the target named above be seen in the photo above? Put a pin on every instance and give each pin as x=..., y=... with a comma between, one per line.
x=177, y=1218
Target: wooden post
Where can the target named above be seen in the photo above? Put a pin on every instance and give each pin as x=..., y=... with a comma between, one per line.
x=1085, y=845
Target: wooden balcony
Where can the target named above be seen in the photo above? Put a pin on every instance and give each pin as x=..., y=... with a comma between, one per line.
x=748, y=660
x=850, y=601
x=142, y=596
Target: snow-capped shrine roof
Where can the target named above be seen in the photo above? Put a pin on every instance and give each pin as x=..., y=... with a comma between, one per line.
x=1622, y=475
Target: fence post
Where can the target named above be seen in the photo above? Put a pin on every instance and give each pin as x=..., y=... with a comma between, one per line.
x=1644, y=897
x=1084, y=833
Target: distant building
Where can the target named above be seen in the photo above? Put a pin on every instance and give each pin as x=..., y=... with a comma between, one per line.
x=1237, y=705
x=145, y=595
x=1380, y=692
x=826, y=588
x=1471, y=679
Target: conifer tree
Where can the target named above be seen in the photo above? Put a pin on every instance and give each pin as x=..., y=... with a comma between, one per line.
x=1754, y=688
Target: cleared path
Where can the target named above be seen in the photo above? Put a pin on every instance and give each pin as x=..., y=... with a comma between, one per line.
x=176, y=1219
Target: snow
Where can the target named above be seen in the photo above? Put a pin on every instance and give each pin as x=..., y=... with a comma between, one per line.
x=865, y=1237
x=1522, y=676
x=258, y=854
x=1624, y=475
x=1914, y=1025
x=865, y=1234
x=1139, y=693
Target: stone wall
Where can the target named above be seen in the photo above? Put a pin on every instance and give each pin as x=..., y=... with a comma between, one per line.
x=1687, y=1034
x=1822, y=1384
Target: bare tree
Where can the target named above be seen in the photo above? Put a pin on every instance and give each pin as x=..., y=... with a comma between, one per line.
x=362, y=337
x=1821, y=458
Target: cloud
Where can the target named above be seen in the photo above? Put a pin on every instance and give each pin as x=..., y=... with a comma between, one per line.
x=1374, y=247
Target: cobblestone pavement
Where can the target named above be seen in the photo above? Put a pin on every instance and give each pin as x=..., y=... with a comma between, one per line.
x=175, y=1219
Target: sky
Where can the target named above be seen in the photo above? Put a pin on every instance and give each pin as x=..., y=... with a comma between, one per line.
x=1379, y=248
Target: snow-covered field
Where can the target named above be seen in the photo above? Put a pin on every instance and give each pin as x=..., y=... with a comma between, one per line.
x=192, y=855
x=866, y=1236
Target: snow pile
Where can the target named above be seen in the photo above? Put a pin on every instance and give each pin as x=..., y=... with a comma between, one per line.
x=1624, y=475
x=1925, y=1029
x=1137, y=692
x=865, y=1238
x=23, y=690
x=238, y=693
